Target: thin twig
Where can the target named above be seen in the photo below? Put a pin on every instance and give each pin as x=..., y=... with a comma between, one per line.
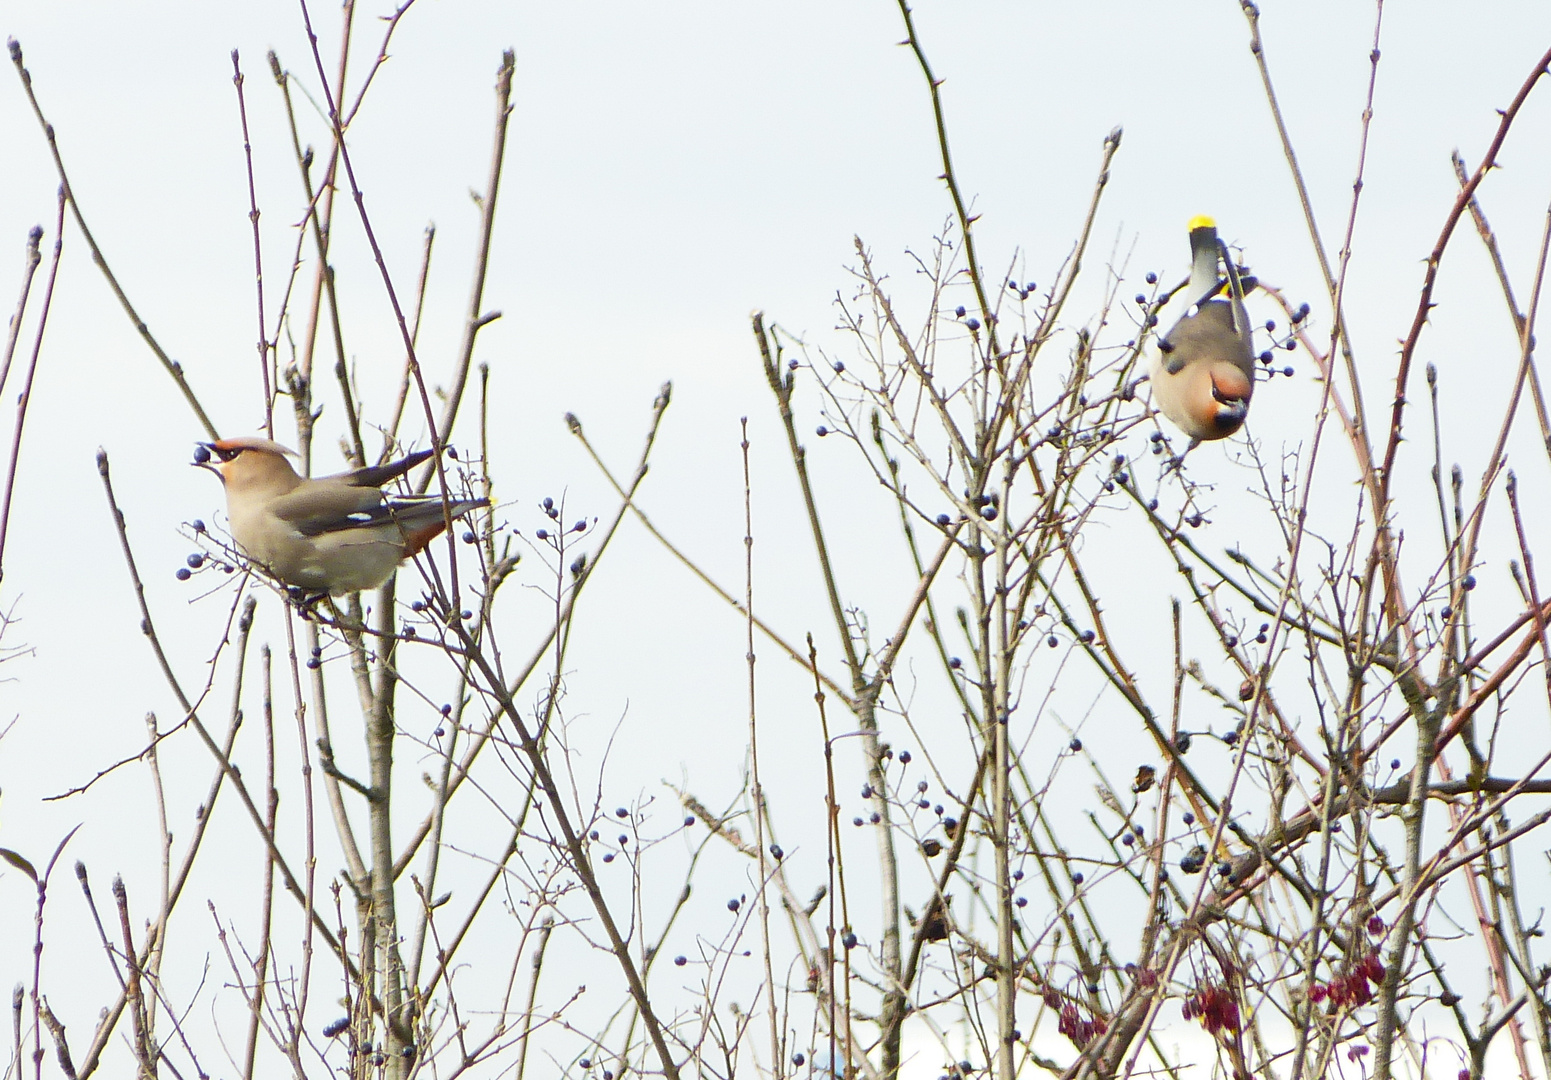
x=25, y=397
x=171, y=366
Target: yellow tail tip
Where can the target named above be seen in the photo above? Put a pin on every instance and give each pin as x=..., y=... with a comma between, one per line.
x=1202, y=221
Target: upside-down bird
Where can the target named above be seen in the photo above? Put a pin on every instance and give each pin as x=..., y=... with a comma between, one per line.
x=1204, y=371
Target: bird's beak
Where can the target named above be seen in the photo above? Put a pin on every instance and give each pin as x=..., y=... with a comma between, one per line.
x=1232, y=413
x=202, y=459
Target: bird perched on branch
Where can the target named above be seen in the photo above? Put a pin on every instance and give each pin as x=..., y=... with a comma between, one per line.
x=335, y=534
x=1204, y=370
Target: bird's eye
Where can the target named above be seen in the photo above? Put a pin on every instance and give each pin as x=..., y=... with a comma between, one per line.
x=226, y=454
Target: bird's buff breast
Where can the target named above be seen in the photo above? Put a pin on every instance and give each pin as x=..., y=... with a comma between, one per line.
x=341, y=563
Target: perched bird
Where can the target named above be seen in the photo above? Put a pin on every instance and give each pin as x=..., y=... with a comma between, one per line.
x=336, y=534
x=1204, y=370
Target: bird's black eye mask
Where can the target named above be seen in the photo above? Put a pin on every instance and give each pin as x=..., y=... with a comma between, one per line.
x=203, y=452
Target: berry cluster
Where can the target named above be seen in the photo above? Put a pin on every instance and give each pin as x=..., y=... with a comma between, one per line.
x=1081, y=1032
x=1072, y=1025
x=1215, y=1007
x=1351, y=989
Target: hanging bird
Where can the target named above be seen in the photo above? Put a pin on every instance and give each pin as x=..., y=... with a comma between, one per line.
x=335, y=534
x=1204, y=370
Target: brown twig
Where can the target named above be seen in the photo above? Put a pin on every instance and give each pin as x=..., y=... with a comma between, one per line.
x=14, y=326
x=258, y=249
x=171, y=366
x=25, y=397
x=1435, y=258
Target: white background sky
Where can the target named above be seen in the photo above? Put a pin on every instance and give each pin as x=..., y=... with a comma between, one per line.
x=671, y=167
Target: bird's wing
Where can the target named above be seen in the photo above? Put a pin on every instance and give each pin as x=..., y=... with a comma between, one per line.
x=1197, y=292
x=1236, y=297
x=374, y=476
x=324, y=507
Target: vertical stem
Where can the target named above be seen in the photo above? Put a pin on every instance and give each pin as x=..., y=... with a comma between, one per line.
x=14, y=327
x=476, y=319
x=25, y=397
x=966, y=221
x=154, y=946
x=777, y=1058
x=1394, y=974
x=258, y=250
x=533, y=992
x=831, y=846
x=305, y=752
x=1001, y=822
x=37, y=980
x=145, y=1054
x=266, y=904
x=392, y=430
x=18, y=996
x=379, y=749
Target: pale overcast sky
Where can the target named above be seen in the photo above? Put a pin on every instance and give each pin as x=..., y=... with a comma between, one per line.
x=671, y=167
